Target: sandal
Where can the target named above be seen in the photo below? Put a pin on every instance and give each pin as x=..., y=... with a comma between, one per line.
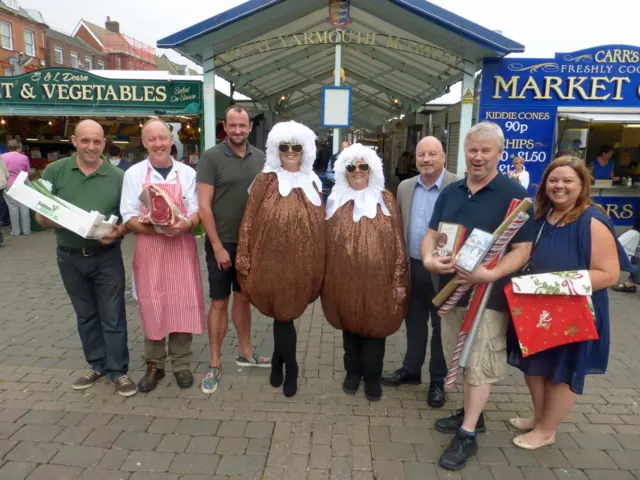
x=521, y=424
x=624, y=287
x=519, y=442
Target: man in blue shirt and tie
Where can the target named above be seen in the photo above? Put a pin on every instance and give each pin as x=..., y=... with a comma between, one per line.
x=416, y=197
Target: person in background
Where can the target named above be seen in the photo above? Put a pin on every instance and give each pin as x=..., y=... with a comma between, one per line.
x=365, y=286
x=573, y=234
x=115, y=158
x=403, y=169
x=629, y=285
x=17, y=162
x=329, y=174
x=225, y=173
x=562, y=153
x=519, y=174
x=165, y=263
x=93, y=271
x=604, y=164
x=480, y=201
x=416, y=198
x=4, y=179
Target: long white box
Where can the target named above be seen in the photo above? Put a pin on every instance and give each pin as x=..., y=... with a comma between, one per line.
x=91, y=225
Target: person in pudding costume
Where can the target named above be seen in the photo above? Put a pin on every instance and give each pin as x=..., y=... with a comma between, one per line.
x=364, y=293
x=281, y=249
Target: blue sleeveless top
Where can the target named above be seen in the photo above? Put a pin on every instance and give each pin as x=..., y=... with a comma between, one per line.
x=569, y=248
x=603, y=173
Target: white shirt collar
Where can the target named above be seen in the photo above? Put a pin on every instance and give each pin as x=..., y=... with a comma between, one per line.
x=287, y=181
x=365, y=201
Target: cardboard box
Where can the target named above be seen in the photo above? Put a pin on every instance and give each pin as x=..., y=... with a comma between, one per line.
x=91, y=225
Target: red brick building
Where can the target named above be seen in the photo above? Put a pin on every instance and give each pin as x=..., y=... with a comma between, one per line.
x=71, y=52
x=22, y=39
x=122, y=52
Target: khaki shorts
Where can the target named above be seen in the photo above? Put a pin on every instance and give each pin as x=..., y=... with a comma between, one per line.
x=488, y=360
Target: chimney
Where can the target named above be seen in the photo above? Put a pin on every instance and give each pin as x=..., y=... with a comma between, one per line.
x=112, y=26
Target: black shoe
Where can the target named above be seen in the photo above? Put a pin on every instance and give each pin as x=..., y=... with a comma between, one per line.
x=436, y=397
x=151, y=378
x=351, y=383
x=400, y=377
x=184, y=378
x=453, y=423
x=290, y=380
x=276, y=376
x=373, y=391
x=462, y=448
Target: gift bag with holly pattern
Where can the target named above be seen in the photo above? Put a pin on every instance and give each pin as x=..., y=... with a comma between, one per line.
x=551, y=309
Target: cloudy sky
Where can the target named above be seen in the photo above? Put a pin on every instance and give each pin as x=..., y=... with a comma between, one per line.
x=543, y=26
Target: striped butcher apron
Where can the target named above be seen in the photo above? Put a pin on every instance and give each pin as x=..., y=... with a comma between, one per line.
x=167, y=276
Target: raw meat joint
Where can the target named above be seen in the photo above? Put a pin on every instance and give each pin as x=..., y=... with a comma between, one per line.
x=161, y=210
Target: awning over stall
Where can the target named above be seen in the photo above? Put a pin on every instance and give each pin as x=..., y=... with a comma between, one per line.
x=396, y=54
x=625, y=118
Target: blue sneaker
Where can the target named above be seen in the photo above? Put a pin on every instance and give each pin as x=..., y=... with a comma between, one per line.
x=211, y=379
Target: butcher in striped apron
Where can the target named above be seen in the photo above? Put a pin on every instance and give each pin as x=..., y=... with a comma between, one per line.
x=166, y=267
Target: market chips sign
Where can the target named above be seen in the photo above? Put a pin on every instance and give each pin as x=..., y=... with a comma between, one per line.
x=68, y=87
x=599, y=77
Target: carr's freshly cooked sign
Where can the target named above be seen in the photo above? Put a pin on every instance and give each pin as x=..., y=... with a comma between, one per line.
x=69, y=87
x=599, y=76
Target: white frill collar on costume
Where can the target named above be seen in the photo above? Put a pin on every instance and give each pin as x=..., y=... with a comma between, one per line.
x=287, y=181
x=365, y=202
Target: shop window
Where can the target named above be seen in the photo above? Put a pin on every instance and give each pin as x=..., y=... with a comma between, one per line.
x=117, y=63
x=6, y=37
x=59, y=54
x=88, y=64
x=8, y=72
x=100, y=65
x=29, y=43
x=74, y=60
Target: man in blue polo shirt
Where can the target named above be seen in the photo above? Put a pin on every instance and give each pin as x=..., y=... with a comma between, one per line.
x=479, y=201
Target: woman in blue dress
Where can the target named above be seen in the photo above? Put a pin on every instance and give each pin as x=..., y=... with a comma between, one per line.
x=574, y=234
x=604, y=164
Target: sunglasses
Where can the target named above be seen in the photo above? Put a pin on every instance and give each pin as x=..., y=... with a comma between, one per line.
x=284, y=147
x=363, y=167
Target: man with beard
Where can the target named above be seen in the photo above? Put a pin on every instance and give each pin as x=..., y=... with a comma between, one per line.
x=92, y=271
x=166, y=267
x=225, y=173
x=417, y=198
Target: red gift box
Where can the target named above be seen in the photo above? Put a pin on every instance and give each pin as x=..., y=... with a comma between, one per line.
x=547, y=321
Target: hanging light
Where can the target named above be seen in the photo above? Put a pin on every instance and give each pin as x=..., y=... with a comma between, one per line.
x=283, y=98
x=3, y=121
x=395, y=100
x=50, y=123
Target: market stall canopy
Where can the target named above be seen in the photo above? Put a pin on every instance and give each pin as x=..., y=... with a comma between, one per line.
x=397, y=54
x=628, y=118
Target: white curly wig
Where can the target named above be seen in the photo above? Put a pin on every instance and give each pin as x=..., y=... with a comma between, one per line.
x=350, y=156
x=295, y=133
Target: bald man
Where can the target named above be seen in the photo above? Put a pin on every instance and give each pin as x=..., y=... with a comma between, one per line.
x=416, y=197
x=166, y=267
x=92, y=271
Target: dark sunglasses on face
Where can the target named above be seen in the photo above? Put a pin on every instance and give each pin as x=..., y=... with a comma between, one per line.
x=363, y=167
x=284, y=147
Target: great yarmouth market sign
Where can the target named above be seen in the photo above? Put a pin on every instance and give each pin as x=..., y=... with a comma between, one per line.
x=345, y=36
x=74, y=88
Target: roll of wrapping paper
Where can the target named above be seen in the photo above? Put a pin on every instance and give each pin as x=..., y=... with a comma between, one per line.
x=450, y=287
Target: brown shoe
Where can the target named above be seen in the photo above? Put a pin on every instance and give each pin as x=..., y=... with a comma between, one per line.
x=151, y=378
x=184, y=378
x=87, y=380
x=125, y=386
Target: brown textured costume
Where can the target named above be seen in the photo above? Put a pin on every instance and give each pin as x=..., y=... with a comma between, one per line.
x=282, y=247
x=365, y=262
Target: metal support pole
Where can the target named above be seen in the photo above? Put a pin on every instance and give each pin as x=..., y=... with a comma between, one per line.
x=466, y=114
x=336, y=131
x=209, y=100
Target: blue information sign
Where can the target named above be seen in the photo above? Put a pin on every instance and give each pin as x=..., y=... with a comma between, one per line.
x=621, y=210
x=528, y=133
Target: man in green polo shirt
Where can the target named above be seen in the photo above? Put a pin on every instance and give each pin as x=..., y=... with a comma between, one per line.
x=225, y=173
x=93, y=271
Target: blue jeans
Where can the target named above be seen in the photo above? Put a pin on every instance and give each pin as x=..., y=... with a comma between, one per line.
x=96, y=285
x=635, y=276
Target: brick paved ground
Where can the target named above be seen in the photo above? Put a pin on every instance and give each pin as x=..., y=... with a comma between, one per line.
x=248, y=430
